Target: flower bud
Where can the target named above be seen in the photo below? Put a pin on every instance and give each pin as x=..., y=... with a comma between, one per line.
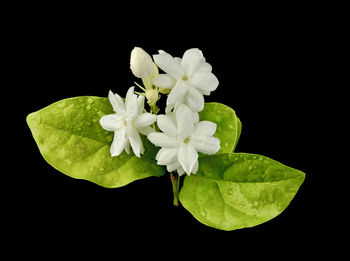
x=141, y=63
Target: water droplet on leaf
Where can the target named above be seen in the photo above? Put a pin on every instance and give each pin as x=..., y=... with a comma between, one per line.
x=68, y=161
x=203, y=212
x=230, y=192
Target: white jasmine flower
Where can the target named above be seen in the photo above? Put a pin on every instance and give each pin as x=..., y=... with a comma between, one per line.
x=141, y=63
x=128, y=121
x=181, y=138
x=188, y=78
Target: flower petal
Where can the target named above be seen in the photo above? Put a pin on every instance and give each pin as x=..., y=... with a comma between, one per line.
x=204, y=67
x=187, y=157
x=146, y=130
x=204, y=92
x=167, y=125
x=195, y=168
x=177, y=93
x=195, y=99
x=191, y=60
x=204, y=128
x=135, y=141
x=116, y=102
x=127, y=147
x=140, y=104
x=131, y=104
x=164, y=81
x=110, y=122
x=205, y=144
x=166, y=156
x=162, y=140
x=180, y=171
x=173, y=166
x=184, y=120
x=130, y=93
x=178, y=60
x=119, y=143
x=195, y=117
x=167, y=63
x=144, y=120
x=205, y=81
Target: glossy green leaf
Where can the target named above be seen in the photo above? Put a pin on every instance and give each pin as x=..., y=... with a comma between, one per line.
x=237, y=190
x=228, y=125
x=71, y=139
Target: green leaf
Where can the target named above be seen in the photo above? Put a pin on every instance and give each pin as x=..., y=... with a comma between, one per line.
x=70, y=138
x=228, y=125
x=237, y=190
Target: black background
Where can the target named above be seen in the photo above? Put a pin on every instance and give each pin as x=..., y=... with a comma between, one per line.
x=265, y=63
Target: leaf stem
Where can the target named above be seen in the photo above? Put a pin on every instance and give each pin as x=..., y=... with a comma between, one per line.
x=175, y=181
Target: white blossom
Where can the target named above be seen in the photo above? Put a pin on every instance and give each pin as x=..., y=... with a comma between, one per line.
x=182, y=137
x=188, y=78
x=127, y=122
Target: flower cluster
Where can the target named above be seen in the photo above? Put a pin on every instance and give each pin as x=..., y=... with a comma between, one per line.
x=182, y=135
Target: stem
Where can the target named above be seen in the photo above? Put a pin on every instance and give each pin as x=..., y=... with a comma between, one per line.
x=175, y=181
x=154, y=108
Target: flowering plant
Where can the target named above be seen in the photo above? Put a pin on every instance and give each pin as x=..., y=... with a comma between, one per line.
x=114, y=141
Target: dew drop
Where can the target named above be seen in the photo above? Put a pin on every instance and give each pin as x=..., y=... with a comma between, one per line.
x=68, y=161
x=250, y=167
x=88, y=107
x=203, y=212
x=61, y=105
x=230, y=192
x=35, y=121
x=100, y=113
x=102, y=169
x=90, y=101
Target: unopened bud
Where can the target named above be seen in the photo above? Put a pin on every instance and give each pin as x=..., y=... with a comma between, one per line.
x=141, y=63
